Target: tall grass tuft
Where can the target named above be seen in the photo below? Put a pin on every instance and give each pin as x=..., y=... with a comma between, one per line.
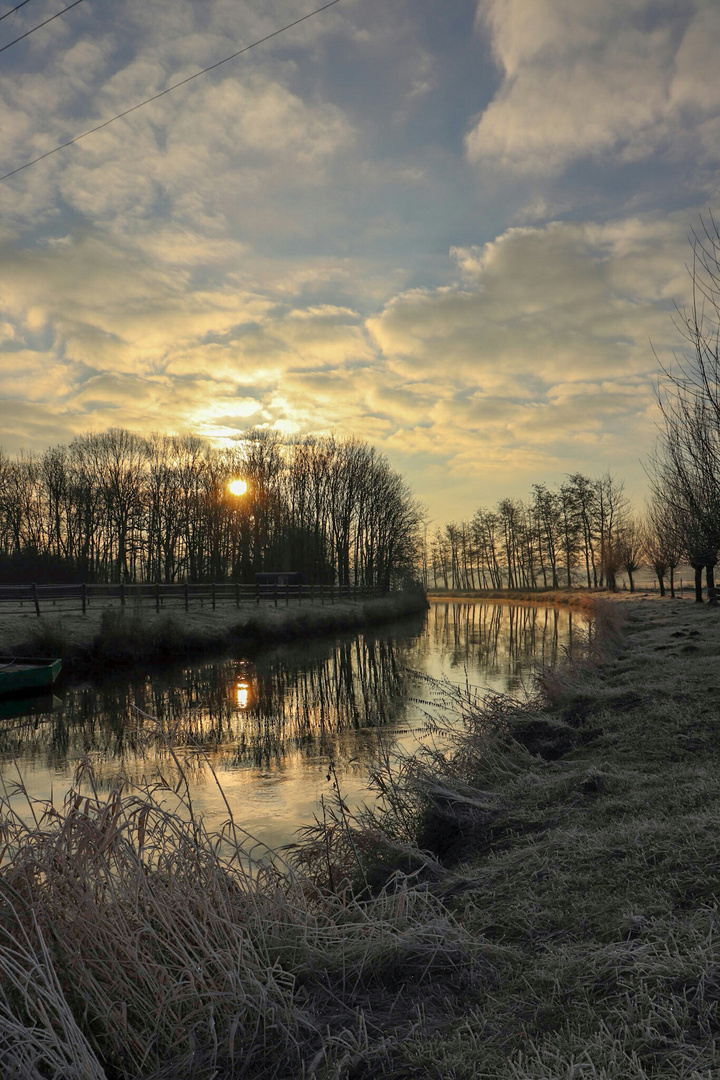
x=136, y=943
x=48, y=638
x=129, y=637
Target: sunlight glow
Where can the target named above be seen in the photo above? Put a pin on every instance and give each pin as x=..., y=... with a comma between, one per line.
x=237, y=487
x=243, y=695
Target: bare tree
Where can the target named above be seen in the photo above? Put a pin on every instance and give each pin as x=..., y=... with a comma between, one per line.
x=582, y=495
x=549, y=523
x=685, y=468
x=663, y=541
x=629, y=546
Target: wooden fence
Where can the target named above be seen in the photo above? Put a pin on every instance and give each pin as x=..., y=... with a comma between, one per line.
x=45, y=599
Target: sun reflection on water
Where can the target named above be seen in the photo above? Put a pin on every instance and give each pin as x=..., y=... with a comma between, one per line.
x=243, y=695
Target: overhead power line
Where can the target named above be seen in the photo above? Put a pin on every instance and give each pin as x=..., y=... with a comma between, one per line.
x=13, y=10
x=169, y=89
x=39, y=25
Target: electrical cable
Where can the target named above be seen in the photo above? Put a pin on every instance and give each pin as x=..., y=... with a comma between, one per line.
x=39, y=25
x=169, y=89
x=13, y=10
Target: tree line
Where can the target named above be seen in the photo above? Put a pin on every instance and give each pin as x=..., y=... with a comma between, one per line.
x=117, y=506
x=583, y=532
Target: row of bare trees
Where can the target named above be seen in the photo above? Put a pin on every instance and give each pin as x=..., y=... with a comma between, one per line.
x=582, y=533
x=120, y=507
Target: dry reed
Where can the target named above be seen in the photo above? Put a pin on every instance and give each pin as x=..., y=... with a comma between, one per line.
x=135, y=943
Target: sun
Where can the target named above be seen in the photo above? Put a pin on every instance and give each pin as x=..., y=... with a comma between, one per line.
x=237, y=487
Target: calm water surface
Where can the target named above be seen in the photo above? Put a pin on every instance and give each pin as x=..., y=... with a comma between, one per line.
x=270, y=724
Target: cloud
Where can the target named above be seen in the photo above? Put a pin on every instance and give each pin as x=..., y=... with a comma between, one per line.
x=271, y=245
x=537, y=355
x=541, y=353
x=611, y=80
x=210, y=155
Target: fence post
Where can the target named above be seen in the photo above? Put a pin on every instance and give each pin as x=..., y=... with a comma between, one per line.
x=83, y=593
x=37, y=602
x=157, y=596
x=332, y=592
x=275, y=593
x=257, y=593
x=122, y=594
x=287, y=593
x=237, y=595
x=187, y=596
x=213, y=595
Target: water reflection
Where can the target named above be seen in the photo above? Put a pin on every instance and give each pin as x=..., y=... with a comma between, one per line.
x=243, y=712
x=243, y=694
x=269, y=725
x=501, y=643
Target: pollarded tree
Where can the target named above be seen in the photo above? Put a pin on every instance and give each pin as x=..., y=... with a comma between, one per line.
x=629, y=545
x=663, y=541
x=685, y=468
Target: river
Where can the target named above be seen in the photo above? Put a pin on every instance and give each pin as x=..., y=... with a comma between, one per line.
x=271, y=723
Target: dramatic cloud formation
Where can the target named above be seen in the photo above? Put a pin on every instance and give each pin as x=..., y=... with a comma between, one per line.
x=452, y=232
x=612, y=80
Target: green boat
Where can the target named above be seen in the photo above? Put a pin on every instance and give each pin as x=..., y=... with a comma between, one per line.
x=20, y=674
x=36, y=703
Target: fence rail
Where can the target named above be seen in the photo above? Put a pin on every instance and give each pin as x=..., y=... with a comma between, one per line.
x=47, y=598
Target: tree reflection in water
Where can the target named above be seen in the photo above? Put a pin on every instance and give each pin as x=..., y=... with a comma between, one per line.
x=238, y=711
x=304, y=703
x=503, y=642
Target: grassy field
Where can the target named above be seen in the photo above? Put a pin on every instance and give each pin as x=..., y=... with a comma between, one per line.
x=534, y=899
x=112, y=636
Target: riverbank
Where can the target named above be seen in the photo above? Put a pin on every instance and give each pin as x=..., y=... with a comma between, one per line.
x=109, y=636
x=536, y=900
x=584, y=599
x=579, y=835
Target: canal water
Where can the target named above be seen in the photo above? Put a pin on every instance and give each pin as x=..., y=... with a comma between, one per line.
x=270, y=723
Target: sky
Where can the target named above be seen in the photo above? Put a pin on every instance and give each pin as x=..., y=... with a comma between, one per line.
x=455, y=229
